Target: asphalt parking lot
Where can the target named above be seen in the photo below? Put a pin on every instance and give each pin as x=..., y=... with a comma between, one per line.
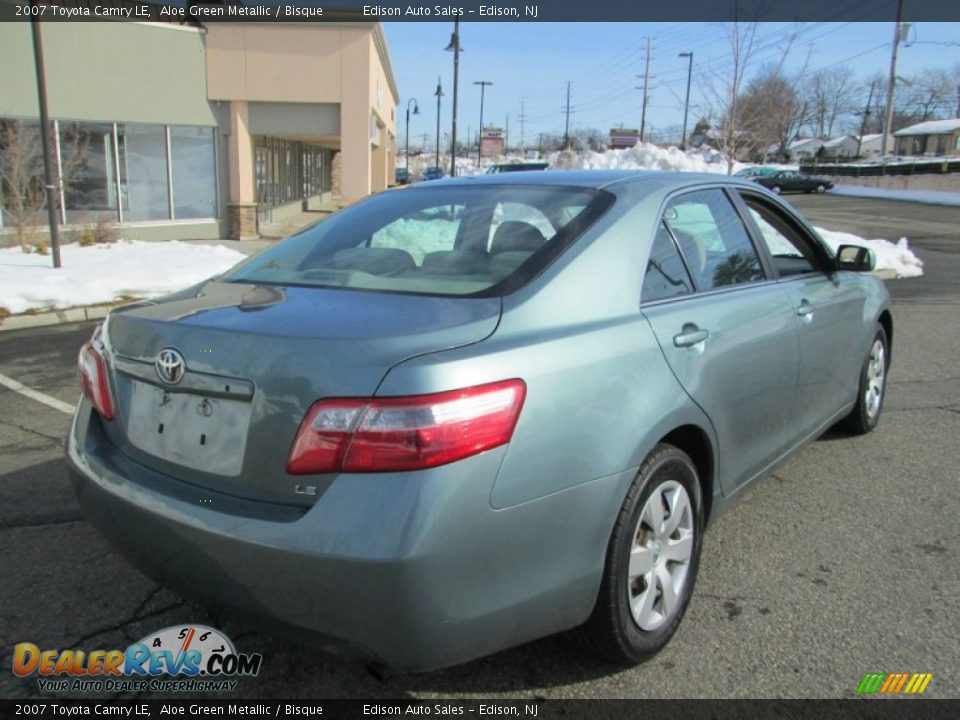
x=846, y=561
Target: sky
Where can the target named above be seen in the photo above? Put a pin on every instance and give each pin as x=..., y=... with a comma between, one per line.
x=534, y=61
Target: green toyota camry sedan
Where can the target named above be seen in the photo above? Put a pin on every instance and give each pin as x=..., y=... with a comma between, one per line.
x=456, y=418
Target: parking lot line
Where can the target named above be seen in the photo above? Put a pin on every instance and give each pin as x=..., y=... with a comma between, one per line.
x=40, y=397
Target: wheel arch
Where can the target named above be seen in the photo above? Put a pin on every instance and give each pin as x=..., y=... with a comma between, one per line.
x=695, y=442
x=886, y=320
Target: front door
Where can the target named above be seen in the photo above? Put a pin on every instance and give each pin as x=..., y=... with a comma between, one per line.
x=825, y=310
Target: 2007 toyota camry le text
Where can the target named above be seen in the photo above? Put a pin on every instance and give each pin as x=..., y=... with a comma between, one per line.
x=456, y=417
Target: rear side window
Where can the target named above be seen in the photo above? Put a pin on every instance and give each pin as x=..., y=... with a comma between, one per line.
x=457, y=240
x=713, y=239
x=666, y=275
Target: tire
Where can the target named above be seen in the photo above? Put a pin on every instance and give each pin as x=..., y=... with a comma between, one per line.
x=821, y=189
x=871, y=389
x=776, y=189
x=612, y=631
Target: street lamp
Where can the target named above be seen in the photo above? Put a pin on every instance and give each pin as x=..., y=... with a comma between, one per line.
x=483, y=86
x=416, y=111
x=439, y=94
x=455, y=48
x=686, y=104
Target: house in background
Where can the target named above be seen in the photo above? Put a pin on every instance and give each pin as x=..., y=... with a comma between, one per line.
x=871, y=145
x=844, y=146
x=804, y=149
x=190, y=131
x=932, y=138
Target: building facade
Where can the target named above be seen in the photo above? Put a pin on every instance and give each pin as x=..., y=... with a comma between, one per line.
x=177, y=131
x=623, y=138
x=933, y=138
x=492, y=142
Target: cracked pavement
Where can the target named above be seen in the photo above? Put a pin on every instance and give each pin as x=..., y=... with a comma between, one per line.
x=845, y=561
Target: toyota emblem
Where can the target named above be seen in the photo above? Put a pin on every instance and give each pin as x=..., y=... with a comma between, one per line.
x=170, y=366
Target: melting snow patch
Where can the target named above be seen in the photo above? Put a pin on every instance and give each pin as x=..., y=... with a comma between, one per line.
x=896, y=257
x=105, y=273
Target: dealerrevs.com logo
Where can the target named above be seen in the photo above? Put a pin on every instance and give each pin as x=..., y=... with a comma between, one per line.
x=190, y=658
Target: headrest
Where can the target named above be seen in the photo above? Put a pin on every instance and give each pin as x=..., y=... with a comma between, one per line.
x=514, y=235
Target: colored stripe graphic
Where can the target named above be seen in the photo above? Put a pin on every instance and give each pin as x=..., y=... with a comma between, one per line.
x=894, y=683
x=870, y=683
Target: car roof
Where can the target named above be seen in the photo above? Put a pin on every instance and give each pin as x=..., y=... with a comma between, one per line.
x=655, y=179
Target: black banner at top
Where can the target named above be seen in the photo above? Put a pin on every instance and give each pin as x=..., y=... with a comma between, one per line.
x=193, y=12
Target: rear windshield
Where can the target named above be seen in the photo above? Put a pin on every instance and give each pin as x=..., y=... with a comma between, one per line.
x=459, y=240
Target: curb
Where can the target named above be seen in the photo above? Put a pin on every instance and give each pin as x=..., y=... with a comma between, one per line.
x=56, y=317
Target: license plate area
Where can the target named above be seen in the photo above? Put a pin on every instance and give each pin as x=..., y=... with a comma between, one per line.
x=204, y=433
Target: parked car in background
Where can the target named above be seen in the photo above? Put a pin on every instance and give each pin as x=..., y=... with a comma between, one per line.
x=755, y=171
x=793, y=181
x=402, y=176
x=515, y=167
x=434, y=173
x=461, y=417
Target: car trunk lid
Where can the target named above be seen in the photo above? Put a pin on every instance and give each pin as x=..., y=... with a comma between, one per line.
x=255, y=358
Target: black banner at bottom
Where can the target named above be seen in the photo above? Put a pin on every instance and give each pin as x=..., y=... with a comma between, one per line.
x=872, y=709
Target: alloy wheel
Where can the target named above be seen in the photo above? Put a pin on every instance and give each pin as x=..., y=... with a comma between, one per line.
x=876, y=370
x=659, y=564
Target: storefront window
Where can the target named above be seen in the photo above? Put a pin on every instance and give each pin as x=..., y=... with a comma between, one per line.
x=194, y=172
x=143, y=172
x=89, y=171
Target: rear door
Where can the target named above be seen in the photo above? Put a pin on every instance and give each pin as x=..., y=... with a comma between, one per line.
x=827, y=311
x=727, y=330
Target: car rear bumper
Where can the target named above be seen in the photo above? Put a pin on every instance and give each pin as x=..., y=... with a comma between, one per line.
x=416, y=570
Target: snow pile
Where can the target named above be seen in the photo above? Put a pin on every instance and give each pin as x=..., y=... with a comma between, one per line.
x=418, y=236
x=642, y=156
x=928, y=197
x=897, y=258
x=105, y=273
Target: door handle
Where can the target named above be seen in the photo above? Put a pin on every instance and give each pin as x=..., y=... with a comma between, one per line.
x=805, y=309
x=690, y=335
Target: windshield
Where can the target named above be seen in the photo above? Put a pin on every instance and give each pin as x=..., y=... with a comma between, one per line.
x=458, y=240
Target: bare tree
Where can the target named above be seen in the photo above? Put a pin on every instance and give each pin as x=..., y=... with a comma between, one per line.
x=21, y=177
x=830, y=96
x=928, y=95
x=21, y=167
x=722, y=89
x=771, y=112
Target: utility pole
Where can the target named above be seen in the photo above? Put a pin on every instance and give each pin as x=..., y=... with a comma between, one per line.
x=958, y=100
x=48, y=180
x=686, y=104
x=888, y=122
x=483, y=86
x=439, y=94
x=454, y=47
x=506, y=135
x=566, y=129
x=523, y=118
x=646, y=90
x=866, y=117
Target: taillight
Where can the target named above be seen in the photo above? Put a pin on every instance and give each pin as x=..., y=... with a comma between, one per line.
x=405, y=433
x=93, y=379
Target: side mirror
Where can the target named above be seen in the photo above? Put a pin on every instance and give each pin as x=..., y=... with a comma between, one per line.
x=855, y=258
